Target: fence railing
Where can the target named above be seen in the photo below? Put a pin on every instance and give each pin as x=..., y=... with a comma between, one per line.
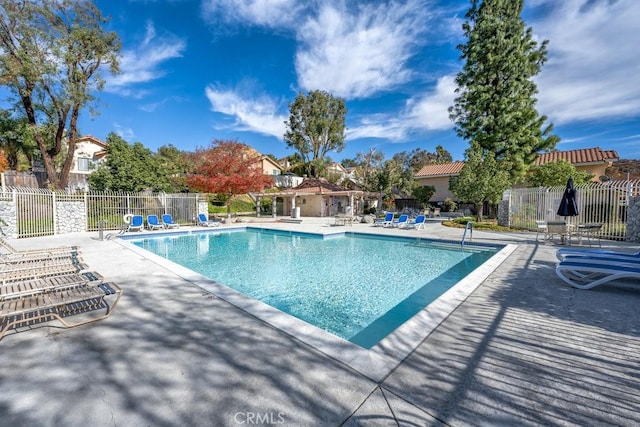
x=598, y=203
x=30, y=212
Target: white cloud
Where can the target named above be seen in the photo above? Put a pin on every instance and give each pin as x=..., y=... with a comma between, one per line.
x=267, y=13
x=251, y=114
x=124, y=132
x=427, y=112
x=593, y=71
x=143, y=64
x=359, y=52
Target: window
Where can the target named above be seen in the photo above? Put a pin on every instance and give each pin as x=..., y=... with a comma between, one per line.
x=83, y=164
x=276, y=172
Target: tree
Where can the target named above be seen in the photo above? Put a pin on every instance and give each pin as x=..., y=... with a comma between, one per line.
x=176, y=166
x=557, y=173
x=316, y=126
x=481, y=179
x=51, y=54
x=129, y=168
x=495, y=103
x=423, y=194
x=228, y=168
x=19, y=149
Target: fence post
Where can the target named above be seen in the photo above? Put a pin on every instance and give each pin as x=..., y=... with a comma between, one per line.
x=55, y=213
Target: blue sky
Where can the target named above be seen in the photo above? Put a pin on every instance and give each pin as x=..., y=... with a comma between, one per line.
x=198, y=70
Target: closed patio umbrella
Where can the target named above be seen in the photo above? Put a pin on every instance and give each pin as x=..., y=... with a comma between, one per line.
x=568, y=205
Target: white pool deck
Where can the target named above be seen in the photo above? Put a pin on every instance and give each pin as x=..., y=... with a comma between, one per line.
x=511, y=345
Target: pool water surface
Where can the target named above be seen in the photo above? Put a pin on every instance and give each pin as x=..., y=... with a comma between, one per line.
x=357, y=286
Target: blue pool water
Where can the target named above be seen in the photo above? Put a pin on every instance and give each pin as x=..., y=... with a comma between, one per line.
x=357, y=286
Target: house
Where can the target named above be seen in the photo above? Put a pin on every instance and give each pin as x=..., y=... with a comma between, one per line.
x=593, y=161
x=318, y=197
x=90, y=151
x=270, y=166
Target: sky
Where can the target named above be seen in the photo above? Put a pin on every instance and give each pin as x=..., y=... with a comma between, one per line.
x=197, y=70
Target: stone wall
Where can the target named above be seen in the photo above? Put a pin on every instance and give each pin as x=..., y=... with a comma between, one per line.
x=9, y=218
x=504, y=213
x=633, y=220
x=71, y=217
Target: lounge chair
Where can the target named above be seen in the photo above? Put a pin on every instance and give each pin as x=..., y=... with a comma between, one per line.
x=12, y=252
x=417, y=223
x=32, y=270
x=58, y=304
x=588, y=273
x=153, y=223
x=388, y=219
x=39, y=285
x=134, y=222
x=204, y=222
x=401, y=221
x=167, y=221
x=561, y=254
x=541, y=227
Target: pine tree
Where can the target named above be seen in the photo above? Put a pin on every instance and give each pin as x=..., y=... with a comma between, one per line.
x=495, y=106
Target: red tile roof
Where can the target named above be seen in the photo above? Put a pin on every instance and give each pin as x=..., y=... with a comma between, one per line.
x=579, y=157
x=576, y=157
x=441, y=169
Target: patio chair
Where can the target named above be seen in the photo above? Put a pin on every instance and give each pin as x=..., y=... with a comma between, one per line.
x=153, y=223
x=541, y=227
x=134, y=222
x=588, y=273
x=558, y=228
x=203, y=221
x=167, y=221
x=435, y=213
x=388, y=219
x=12, y=253
x=401, y=221
x=58, y=304
x=416, y=224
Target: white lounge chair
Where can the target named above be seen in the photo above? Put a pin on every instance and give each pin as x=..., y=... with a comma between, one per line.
x=204, y=222
x=401, y=221
x=563, y=253
x=153, y=223
x=167, y=221
x=587, y=273
x=417, y=223
x=388, y=219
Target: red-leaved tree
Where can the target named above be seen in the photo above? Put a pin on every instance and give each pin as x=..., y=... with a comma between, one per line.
x=229, y=168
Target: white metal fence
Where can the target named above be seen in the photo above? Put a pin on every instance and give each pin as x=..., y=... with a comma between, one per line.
x=30, y=212
x=598, y=203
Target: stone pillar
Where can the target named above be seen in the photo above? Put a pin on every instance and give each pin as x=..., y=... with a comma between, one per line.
x=8, y=214
x=633, y=219
x=71, y=216
x=504, y=213
x=274, y=205
x=258, y=206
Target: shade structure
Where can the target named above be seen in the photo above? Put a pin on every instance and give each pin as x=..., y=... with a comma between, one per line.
x=568, y=205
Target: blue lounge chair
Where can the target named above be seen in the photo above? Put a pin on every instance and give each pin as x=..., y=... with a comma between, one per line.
x=388, y=219
x=587, y=273
x=136, y=223
x=167, y=221
x=153, y=223
x=418, y=223
x=571, y=252
x=401, y=221
x=204, y=222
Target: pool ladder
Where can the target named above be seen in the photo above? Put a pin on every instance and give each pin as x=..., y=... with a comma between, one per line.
x=468, y=227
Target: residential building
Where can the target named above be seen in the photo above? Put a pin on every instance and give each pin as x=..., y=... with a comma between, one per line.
x=593, y=161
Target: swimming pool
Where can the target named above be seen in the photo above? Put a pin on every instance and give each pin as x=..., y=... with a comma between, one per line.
x=357, y=286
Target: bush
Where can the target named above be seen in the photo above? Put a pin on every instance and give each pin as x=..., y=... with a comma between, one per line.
x=449, y=205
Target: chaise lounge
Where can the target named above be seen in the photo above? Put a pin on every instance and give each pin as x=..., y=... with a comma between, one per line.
x=204, y=222
x=153, y=223
x=587, y=273
x=167, y=221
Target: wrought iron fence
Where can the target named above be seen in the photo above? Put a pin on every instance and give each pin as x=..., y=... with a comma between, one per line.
x=598, y=203
x=31, y=212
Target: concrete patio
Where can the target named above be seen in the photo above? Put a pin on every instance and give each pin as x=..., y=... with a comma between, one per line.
x=523, y=349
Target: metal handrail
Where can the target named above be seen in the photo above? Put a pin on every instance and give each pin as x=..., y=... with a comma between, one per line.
x=469, y=226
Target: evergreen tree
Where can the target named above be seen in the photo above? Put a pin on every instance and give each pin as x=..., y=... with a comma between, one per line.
x=480, y=180
x=495, y=103
x=316, y=126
